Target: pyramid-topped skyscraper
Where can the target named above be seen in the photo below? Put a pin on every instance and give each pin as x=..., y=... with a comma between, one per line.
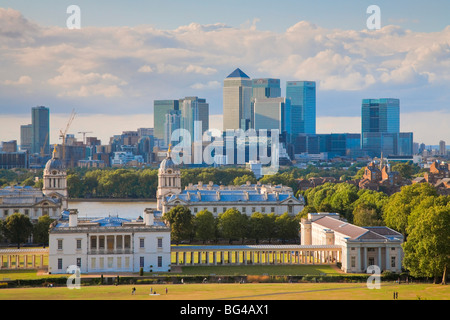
x=237, y=94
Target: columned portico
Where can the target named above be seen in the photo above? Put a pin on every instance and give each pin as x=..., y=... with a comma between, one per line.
x=256, y=255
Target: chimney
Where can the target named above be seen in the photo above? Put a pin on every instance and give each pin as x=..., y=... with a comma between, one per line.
x=149, y=217
x=73, y=217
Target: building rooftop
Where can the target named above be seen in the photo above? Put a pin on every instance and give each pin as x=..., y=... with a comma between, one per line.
x=238, y=73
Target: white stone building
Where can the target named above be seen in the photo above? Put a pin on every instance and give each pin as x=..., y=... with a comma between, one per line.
x=217, y=199
x=109, y=244
x=361, y=247
x=34, y=203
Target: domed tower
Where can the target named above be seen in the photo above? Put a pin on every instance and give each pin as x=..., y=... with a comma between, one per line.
x=169, y=180
x=55, y=180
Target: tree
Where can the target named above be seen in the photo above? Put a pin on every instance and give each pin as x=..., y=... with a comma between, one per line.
x=17, y=228
x=40, y=229
x=260, y=226
x=287, y=227
x=365, y=215
x=181, y=223
x=406, y=169
x=427, y=249
x=400, y=204
x=232, y=225
x=204, y=225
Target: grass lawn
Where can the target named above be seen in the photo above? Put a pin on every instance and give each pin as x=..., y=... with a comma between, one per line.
x=249, y=291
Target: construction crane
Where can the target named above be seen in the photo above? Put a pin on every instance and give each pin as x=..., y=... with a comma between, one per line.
x=43, y=147
x=84, y=135
x=62, y=134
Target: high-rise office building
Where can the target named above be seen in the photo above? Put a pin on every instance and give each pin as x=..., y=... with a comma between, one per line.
x=160, y=109
x=194, y=116
x=303, y=106
x=237, y=93
x=442, y=149
x=172, y=122
x=40, y=122
x=26, y=133
x=380, y=115
x=272, y=113
x=266, y=88
x=380, y=129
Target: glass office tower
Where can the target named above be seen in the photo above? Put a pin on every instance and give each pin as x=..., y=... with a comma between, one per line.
x=40, y=122
x=160, y=109
x=380, y=115
x=237, y=94
x=303, y=106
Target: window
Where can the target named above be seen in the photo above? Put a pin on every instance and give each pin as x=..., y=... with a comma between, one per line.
x=392, y=262
x=272, y=209
x=110, y=262
x=59, y=264
x=244, y=209
x=160, y=243
x=60, y=244
x=353, y=262
x=78, y=244
x=224, y=209
x=371, y=249
x=141, y=242
x=79, y=262
x=195, y=210
x=27, y=212
x=253, y=209
x=371, y=261
x=159, y=261
x=215, y=210
x=119, y=262
x=141, y=262
x=93, y=263
x=5, y=213
x=263, y=209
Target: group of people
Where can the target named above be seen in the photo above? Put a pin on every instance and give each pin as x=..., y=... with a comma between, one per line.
x=133, y=291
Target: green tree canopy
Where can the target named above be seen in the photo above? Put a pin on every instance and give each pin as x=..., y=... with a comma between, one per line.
x=181, y=223
x=205, y=225
x=232, y=225
x=17, y=228
x=40, y=229
x=427, y=249
x=397, y=210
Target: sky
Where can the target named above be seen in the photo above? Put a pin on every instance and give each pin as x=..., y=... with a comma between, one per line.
x=127, y=54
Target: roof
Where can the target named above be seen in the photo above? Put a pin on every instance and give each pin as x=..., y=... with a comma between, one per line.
x=359, y=233
x=235, y=196
x=238, y=73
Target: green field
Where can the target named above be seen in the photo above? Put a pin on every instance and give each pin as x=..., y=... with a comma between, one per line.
x=248, y=291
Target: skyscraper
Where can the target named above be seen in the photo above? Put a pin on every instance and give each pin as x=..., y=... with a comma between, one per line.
x=194, y=109
x=303, y=106
x=26, y=133
x=40, y=122
x=237, y=93
x=380, y=115
x=380, y=128
x=266, y=88
x=271, y=113
x=160, y=109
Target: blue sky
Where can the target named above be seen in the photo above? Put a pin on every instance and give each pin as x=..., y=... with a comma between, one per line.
x=129, y=53
x=417, y=15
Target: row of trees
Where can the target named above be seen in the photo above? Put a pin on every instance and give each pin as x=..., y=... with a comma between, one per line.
x=18, y=228
x=231, y=225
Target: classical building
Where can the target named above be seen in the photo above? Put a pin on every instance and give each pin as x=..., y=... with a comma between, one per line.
x=217, y=199
x=109, y=244
x=361, y=247
x=33, y=202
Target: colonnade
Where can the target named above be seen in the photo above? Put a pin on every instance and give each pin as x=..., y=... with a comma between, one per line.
x=23, y=258
x=255, y=255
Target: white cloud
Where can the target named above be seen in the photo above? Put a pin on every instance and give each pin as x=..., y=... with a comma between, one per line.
x=57, y=64
x=21, y=81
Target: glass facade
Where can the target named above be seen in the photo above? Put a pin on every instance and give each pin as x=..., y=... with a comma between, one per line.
x=160, y=109
x=302, y=95
x=380, y=115
x=40, y=122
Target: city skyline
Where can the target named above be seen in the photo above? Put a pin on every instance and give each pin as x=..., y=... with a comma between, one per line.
x=114, y=72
